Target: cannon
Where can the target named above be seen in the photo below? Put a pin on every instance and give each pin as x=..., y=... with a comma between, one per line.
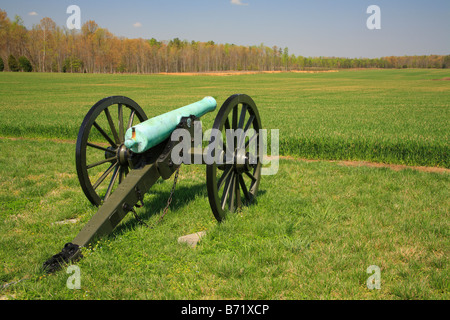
x=120, y=154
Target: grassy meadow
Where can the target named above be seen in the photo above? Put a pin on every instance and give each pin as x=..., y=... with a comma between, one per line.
x=315, y=229
x=391, y=116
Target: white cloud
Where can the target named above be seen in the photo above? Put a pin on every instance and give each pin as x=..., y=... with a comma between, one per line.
x=137, y=25
x=32, y=13
x=239, y=3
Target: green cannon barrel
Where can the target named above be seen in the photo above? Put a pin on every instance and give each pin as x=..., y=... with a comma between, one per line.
x=152, y=132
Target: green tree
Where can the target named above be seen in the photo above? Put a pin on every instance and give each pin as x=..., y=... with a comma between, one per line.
x=446, y=62
x=2, y=65
x=176, y=42
x=285, y=58
x=12, y=63
x=154, y=43
x=72, y=64
x=25, y=64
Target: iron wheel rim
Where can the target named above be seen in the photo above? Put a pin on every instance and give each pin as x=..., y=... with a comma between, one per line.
x=230, y=187
x=102, y=121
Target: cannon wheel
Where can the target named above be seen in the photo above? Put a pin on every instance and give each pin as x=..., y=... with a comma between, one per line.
x=232, y=184
x=100, y=151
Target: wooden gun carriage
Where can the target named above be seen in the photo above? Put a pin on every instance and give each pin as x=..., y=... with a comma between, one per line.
x=136, y=151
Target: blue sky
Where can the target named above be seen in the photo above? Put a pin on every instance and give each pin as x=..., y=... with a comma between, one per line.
x=306, y=27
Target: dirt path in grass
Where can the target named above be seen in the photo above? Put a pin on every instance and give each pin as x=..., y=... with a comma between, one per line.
x=348, y=163
x=354, y=163
x=236, y=73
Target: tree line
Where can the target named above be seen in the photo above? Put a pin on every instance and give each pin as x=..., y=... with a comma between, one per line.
x=47, y=47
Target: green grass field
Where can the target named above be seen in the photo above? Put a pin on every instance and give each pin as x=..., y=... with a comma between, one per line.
x=391, y=116
x=315, y=229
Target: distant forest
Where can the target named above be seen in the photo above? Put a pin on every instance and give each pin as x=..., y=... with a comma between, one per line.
x=50, y=48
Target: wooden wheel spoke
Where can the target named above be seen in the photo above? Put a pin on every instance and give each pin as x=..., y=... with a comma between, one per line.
x=232, y=197
x=238, y=191
x=249, y=122
x=250, y=140
x=244, y=188
x=112, y=126
x=228, y=151
x=103, y=133
x=111, y=183
x=130, y=119
x=98, y=147
x=242, y=116
x=234, y=117
x=121, y=174
x=89, y=166
x=224, y=176
x=227, y=123
x=104, y=175
x=121, y=132
x=250, y=176
x=235, y=123
x=226, y=190
x=222, y=149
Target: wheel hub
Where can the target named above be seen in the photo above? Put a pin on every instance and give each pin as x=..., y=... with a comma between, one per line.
x=241, y=161
x=122, y=155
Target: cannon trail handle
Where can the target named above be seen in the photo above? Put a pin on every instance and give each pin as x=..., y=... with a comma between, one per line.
x=109, y=215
